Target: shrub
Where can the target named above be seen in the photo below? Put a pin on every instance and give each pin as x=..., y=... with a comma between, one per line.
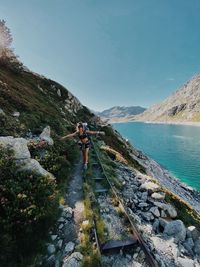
x=28, y=205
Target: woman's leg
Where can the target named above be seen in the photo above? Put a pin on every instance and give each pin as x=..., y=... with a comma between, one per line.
x=86, y=155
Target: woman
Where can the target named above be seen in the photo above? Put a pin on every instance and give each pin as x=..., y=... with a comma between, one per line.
x=84, y=142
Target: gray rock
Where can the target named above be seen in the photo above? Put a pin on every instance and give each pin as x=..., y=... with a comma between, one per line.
x=74, y=260
x=45, y=135
x=197, y=246
x=163, y=222
x=158, y=196
x=163, y=214
x=2, y=113
x=185, y=262
x=148, y=216
x=59, y=92
x=16, y=114
x=176, y=229
x=189, y=244
x=156, y=226
x=68, y=212
x=18, y=145
x=155, y=211
x=69, y=248
x=193, y=232
x=149, y=186
x=171, y=211
x=53, y=237
x=51, y=249
x=143, y=204
x=51, y=261
x=59, y=244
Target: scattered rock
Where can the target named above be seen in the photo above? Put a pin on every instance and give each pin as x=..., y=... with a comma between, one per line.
x=51, y=261
x=16, y=114
x=171, y=211
x=189, y=244
x=45, y=135
x=59, y=92
x=163, y=214
x=68, y=212
x=53, y=237
x=197, y=246
x=185, y=262
x=59, y=244
x=51, y=249
x=193, y=232
x=149, y=186
x=158, y=196
x=176, y=229
x=155, y=211
x=2, y=113
x=74, y=260
x=69, y=248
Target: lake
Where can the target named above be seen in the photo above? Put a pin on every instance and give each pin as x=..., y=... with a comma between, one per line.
x=175, y=147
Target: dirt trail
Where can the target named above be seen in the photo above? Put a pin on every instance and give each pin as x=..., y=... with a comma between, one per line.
x=74, y=199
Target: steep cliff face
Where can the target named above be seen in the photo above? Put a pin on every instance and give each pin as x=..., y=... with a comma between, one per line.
x=182, y=106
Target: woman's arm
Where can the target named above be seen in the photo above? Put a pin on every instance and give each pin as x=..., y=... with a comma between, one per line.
x=68, y=136
x=95, y=132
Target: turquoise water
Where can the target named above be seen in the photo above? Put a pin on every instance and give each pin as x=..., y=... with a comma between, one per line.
x=175, y=147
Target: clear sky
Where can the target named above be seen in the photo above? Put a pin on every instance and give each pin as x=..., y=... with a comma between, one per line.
x=108, y=52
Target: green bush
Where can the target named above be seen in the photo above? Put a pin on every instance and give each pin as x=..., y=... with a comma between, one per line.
x=28, y=205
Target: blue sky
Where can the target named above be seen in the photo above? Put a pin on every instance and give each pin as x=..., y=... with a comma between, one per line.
x=109, y=52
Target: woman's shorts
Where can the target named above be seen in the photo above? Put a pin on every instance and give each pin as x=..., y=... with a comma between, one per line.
x=83, y=146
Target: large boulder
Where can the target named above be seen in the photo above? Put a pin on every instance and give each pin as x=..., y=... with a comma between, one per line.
x=18, y=145
x=166, y=207
x=69, y=248
x=185, y=262
x=22, y=155
x=176, y=229
x=158, y=196
x=46, y=135
x=193, y=232
x=74, y=260
x=197, y=247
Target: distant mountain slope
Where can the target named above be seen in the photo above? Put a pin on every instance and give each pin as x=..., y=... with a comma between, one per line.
x=120, y=112
x=182, y=106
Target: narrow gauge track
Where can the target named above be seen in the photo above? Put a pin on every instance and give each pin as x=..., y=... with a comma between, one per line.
x=135, y=232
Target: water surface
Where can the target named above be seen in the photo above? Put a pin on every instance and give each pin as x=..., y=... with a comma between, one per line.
x=175, y=147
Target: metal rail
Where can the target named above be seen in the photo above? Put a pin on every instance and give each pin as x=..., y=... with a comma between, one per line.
x=149, y=258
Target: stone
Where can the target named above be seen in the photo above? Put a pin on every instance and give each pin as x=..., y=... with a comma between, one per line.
x=60, y=226
x=163, y=214
x=53, y=237
x=176, y=229
x=74, y=260
x=158, y=196
x=197, y=246
x=16, y=114
x=147, y=216
x=156, y=226
x=61, y=220
x=59, y=244
x=189, y=244
x=51, y=249
x=45, y=135
x=193, y=232
x=18, y=145
x=51, y=261
x=163, y=222
x=69, y=248
x=155, y=211
x=171, y=211
x=68, y=212
x=144, y=196
x=149, y=186
x=185, y=262
x=143, y=204
x=2, y=113
x=59, y=92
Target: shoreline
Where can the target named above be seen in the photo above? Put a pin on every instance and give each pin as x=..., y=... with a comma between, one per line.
x=186, y=123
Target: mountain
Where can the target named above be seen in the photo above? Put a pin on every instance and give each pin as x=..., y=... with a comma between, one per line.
x=182, y=106
x=120, y=112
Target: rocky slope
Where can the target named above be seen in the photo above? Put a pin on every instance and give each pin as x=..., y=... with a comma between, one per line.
x=117, y=113
x=181, y=106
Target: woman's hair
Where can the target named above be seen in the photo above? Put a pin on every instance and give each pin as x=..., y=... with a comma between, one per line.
x=80, y=125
